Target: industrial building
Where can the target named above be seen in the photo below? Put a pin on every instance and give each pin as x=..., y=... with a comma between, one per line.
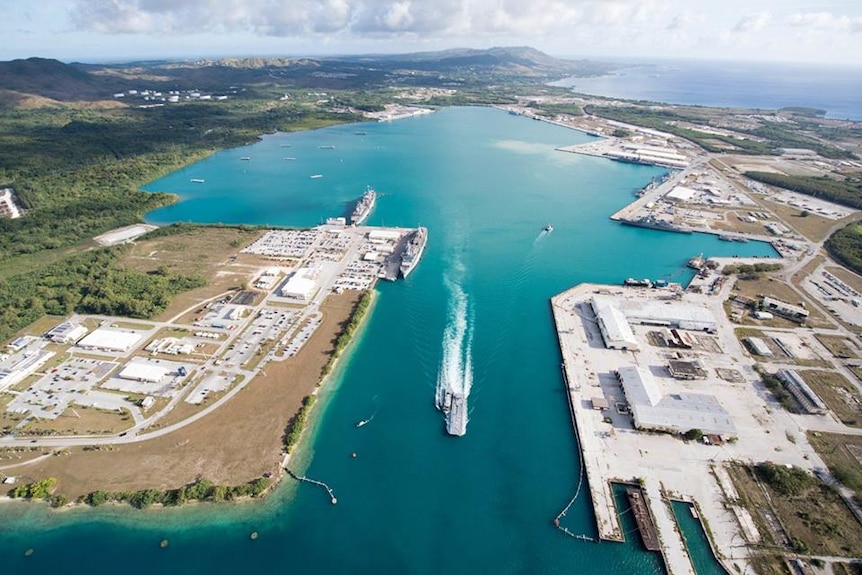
x=616, y=331
x=801, y=392
x=671, y=315
x=686, y=369
x=758, y=346
x=784, y=309
x=16, y=367
x=110, y=340
x=299, y=287
x=673, y=413
x=143, y=372
x=66, y=332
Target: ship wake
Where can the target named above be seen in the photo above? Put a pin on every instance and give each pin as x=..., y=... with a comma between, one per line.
x=455, y=374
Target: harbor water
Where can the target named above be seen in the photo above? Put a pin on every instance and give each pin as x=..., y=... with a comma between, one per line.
x=414, y=499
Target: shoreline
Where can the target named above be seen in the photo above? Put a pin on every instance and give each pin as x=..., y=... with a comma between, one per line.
x=312, y=361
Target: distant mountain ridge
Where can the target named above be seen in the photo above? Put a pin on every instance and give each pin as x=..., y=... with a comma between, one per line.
x=65, y=82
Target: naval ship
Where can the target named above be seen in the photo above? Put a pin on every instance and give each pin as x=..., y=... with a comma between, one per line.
x=454, y=406
x=413, y=251
x=654, y=223
x=363, y=207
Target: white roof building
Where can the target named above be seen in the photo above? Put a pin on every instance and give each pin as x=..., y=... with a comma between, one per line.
x=104, y=339
x=673, y=413
x=615, y=329
x=143, y=372
x=680, y=194
x=66, y=332
x=299, y=286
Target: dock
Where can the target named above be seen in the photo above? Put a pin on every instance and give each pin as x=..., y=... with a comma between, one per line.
x=601, y=493
x=640, y=511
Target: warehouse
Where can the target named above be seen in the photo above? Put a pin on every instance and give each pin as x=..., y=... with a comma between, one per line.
x=801, y=392
x=671, y=315
x=299, y=286
x=758, y=346
x=616, y=331
x=143, y=372
x=673, y=413
x=110, y=340
x=67, y=332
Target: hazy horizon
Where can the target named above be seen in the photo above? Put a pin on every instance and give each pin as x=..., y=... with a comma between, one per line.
x=827, y=32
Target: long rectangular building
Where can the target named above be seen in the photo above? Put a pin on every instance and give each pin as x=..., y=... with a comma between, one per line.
x=615, y=329
x=673, y=413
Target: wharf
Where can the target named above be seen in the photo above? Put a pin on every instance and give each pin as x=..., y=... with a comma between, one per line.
x=640, y=511
x=583, y=350
x=601, y=493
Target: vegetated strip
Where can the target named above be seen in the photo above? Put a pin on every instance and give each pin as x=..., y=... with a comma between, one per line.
x=297, y=424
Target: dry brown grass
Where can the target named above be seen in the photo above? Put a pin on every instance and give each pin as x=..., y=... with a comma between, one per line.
x=838, y=394
x=846, y=276
x=79, y=420
x=818, y=517
x=202, y=251
x=838, y=346
x=842, y=453
x=812, y=226
x=238, y=442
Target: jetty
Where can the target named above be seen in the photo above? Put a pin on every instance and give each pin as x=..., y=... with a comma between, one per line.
x=304, y=479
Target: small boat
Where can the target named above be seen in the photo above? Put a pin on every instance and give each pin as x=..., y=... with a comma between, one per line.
x=197, y=181
x=285, y=145
x=361, y=422
x=316, y=176
x=548, y=229
x=361, y=133
x=330, y=147
x=290, y=159
x=245, y=158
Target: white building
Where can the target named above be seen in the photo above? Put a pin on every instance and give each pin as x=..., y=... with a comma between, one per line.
x=111, y=340
x=67, y=332
x=790, y=311
x=143, y=372
x=615, y=329
x=758, y=346
x=299, y=286
x=673, y=413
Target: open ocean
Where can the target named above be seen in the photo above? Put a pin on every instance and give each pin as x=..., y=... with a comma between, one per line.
x=414, y=500
x=836, y=89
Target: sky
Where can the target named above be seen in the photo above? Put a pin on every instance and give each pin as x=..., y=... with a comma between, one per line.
x=810, y=31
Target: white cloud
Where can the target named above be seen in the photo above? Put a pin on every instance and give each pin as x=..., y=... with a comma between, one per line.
x=825, y=21
x=753, y=23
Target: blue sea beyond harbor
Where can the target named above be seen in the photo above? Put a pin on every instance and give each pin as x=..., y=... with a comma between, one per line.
x=414, y=500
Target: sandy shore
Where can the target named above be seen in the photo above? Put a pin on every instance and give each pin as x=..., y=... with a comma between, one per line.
x=237, y=443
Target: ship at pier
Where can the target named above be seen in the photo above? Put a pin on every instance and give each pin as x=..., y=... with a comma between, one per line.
x=413, y=252
x=364, y=206
x=654, y=223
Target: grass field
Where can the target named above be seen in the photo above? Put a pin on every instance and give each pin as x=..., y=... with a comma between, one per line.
x=838, y=394
x=817, y=518
x=838, y=346
x=843, y=455
x=204, y=251
x=80, y=420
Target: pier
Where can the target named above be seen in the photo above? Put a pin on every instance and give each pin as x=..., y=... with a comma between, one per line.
x=304, y=479
x=591, y=455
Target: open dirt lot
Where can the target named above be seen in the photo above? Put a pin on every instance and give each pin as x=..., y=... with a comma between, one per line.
x=237, y=443
x=838, y=393
x=207, y=252
x=843, y=455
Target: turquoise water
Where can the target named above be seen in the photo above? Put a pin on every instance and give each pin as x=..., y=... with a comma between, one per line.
x=696, y=542
x=415, y=500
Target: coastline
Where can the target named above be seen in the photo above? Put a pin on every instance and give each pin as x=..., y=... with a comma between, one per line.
x=247, y=410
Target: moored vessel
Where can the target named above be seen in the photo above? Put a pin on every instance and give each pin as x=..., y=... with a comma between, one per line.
x=364, y=206
x=413, y=252
x=653, y=223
